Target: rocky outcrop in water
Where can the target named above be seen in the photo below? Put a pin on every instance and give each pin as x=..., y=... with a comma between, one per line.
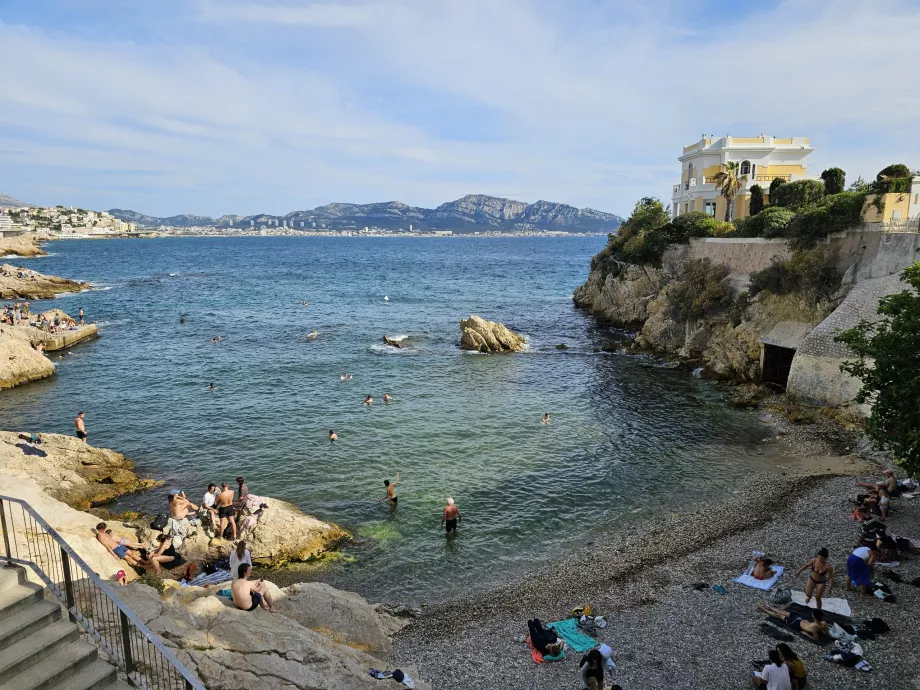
x=480, y=335
x=70, y=470
x=17, y=282
x=19, y=362
x=21, y=245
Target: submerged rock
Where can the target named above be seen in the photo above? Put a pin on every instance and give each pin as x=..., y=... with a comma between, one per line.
x=480, y=335
x=393, y=342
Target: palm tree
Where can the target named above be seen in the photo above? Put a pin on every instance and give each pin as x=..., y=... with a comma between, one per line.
x=728, y=182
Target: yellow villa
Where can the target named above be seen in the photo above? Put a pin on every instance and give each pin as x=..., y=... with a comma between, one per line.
x=760, y=159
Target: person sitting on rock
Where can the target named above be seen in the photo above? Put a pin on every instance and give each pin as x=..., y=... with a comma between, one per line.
x=762, y=568
x=248, y=595
x=164, y=556
x=889, y=482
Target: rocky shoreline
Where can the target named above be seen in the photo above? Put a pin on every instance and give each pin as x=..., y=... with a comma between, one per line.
x=637, y=580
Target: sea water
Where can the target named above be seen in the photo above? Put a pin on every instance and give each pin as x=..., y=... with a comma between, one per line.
x=628, y=434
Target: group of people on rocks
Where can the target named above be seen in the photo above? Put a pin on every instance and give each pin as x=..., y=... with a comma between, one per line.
x=22, y=274
x=19, y=313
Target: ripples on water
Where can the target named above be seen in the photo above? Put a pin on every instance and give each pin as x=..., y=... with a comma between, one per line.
x=628, y=433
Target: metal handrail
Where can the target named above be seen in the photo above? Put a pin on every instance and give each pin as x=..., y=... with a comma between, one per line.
x=144, y=671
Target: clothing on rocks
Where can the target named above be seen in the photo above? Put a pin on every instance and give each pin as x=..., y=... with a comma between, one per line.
x=568, y=631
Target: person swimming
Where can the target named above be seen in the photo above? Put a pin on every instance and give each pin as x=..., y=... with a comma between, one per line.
x=313, y=334
x=368, y=400
x=545, y=419
x=387, y=398
x=333, y=436
x=345, y=377
x=211, y=387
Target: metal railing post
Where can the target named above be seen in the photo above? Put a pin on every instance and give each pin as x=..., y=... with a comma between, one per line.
x=68, y=586
x=126, y=643
x=6, y=536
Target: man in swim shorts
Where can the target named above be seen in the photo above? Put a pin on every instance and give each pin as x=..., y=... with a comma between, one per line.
x=451, y=515
x=121, y=549
x=80, y=426
x=391, y=490
x=225, y=511
x=248, y=595
x=812, y=629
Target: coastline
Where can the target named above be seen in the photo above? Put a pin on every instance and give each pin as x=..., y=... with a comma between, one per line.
x=637, y=581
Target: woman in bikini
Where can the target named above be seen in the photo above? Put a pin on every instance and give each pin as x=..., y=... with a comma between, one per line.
x=820, y=579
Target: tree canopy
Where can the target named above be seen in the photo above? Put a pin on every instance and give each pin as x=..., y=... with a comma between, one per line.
x=888, y=365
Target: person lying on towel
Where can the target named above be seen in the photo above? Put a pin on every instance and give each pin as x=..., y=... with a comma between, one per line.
x=812, y=629
x=543, y=639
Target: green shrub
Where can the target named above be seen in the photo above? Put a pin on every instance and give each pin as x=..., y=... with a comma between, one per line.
x=756, y=199
x=896, y=170
x=810, y=272
x=841, y=211
x=799, y=194
x=773, y=221
x=148, y=577
x=834, y=180
x=892, y=185
x=689, y=225
x=630, y=244
x=775, y=184
x=737, y=312
x=700, y=291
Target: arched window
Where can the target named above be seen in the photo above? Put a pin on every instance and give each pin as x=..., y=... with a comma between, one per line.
x=745, y=167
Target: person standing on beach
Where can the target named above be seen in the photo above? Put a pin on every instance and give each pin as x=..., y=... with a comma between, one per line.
x=391, y=490
x=820, y=577
x=80, y=426
x=451, y=515
x=225, y=512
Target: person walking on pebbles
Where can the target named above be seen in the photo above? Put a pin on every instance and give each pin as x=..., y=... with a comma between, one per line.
x=820, y=579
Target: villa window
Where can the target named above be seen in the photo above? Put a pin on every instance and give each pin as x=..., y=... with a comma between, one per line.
x=710, y=208
x=745, y=167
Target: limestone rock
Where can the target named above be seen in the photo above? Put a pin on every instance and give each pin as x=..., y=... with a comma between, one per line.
x=20, y=246
x=75, y=527
x=282, y=534
x=480, y=335
x=69, y=469
x=19, y=362
x=34, y=285
x=231, y=649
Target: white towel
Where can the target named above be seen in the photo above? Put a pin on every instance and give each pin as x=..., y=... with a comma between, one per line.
x=832, y=604
x=750, y=581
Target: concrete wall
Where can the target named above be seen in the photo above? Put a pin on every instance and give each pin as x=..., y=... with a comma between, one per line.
x=741, y=255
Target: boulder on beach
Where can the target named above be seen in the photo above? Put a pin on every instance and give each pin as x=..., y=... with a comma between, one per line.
x=70, y=470
x=480, y=335
x=321, y=639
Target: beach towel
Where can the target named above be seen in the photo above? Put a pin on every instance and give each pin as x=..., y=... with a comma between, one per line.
x=568, y=631
x=534, y=653
x=749, y=580
x=225, y=593
x=212, y=579
x=828, y=604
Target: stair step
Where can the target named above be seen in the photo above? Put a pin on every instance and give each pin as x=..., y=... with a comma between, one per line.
x=27, y=621
x=96, y=676
x=14, y=599
x=9, y=577
x=34, y=648
x=119, y=685
x=54, y=668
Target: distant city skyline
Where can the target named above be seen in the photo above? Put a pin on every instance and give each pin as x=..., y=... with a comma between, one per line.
x=267, y=106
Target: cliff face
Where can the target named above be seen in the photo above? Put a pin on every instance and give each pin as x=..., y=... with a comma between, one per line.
x=17, y=282
x=20, y=246
x=19, y=362
x=638, y=297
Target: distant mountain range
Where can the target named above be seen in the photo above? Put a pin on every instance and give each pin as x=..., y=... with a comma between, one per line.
x=472, y=212
x=6, y=200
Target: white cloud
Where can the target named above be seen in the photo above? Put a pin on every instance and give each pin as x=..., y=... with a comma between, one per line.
x=593, y=103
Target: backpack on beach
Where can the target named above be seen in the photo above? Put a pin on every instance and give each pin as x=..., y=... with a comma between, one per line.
x=781, y=596
x=159, y=522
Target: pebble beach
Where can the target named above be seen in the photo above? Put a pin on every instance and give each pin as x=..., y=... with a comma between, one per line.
x=663, y=632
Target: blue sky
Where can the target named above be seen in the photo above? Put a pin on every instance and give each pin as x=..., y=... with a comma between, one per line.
x=249, y=106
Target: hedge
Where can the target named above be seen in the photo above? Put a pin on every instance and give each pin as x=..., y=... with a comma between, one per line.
x=799, y=194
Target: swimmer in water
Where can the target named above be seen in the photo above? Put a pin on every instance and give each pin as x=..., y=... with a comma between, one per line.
x=451, y=516
x=368, y=400
x=211, y=387
x=391, y=490
x=213, y=340
x=305, y=303
x=313, y=334
x=345, y=377
x=333, y=436
x=545, y=419
x=387, y=398
x=220, y=338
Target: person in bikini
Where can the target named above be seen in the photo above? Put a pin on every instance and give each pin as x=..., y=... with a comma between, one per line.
x=820, y=579
x=762, y=569
x=812, y=629
x=451, y=516
x=248, y=595
x=225, y=511
x=391, y=490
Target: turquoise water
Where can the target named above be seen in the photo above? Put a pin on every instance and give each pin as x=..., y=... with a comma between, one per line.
x=628, y=434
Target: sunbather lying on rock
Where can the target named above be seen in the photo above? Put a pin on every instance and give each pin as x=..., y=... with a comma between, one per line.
x=812, y=629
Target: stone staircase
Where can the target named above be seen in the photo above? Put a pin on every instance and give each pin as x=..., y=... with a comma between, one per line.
x=40, y=648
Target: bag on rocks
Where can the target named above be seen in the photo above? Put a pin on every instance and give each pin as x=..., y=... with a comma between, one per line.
x=159, y=522
x=781, y=596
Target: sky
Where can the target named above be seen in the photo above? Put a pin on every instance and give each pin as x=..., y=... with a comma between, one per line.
x=270, y=106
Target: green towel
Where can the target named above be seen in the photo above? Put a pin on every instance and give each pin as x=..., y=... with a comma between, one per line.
x=568, y=631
